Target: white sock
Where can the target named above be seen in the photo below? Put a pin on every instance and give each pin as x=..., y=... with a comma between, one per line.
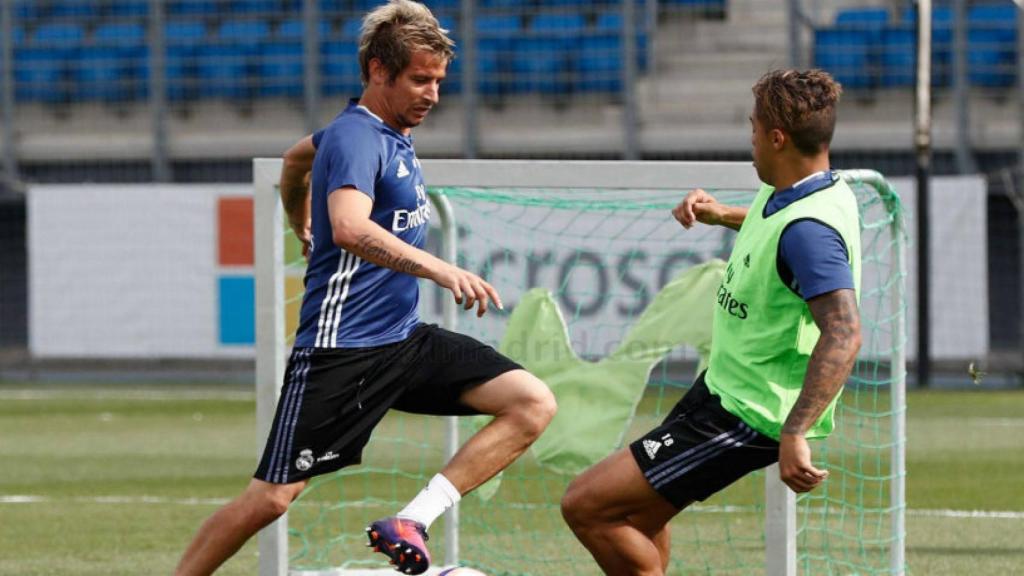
x=432, y=501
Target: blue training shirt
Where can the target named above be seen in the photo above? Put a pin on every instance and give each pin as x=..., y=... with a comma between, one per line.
x=351, y=303
x=813, y=259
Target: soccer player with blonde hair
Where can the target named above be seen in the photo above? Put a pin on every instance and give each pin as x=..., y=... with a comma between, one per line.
x=360, y=349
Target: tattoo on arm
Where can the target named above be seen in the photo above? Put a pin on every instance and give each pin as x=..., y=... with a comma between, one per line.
x=837, y=316
x=375, y=251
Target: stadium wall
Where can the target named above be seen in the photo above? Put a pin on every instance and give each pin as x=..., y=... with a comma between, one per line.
x=165, y=271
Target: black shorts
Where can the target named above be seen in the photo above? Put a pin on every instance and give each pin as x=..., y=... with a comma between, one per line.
x=333, y=398
x=700, y=449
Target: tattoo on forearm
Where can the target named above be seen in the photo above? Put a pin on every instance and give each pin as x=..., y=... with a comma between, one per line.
x=375, y=251
x=833, y=357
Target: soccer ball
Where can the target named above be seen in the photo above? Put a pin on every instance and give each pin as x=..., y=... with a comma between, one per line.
x=461, y=571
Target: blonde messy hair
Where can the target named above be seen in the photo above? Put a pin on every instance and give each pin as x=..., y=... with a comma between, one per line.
x=392, y=32
x=800, y=103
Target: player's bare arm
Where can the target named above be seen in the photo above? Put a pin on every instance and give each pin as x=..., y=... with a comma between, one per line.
x=298, y=161
x=699, y=206
x=354, y=231
x=838, y=318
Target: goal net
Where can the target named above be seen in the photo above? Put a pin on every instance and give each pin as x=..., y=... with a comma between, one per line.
x=609, y=300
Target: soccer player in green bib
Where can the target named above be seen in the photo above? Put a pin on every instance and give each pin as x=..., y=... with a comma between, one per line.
x=785, y=337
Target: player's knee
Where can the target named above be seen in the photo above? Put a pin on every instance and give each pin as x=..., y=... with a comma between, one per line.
x=273, y=501
x=575, y=506
x=536, y=410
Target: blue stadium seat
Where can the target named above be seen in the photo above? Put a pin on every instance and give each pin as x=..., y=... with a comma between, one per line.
x=542, y=4
x=504, y=3
x=40, y=75
x=265, y=7
x=340, y=68
x=194, y=8
x=41, y=70
x=991, y=44
x=333, y=6
x=246, y=33
x=281, y=63
x=99, y=74
x=281, y=68
x=115, y=66
x=351, y=28
x=295, y=29
x=124, y=34
x=27, y=10
x=61, y=35
x=128, y=8
x=189, y=33
x=74, y=9
x=611, y=23
x=495, y=34
x=542, y=59
x=183, y=38
x=227, y=69
x=599, y=63
x=899, y=56
x=942, y=45
x=845, y=54
x=443, y=6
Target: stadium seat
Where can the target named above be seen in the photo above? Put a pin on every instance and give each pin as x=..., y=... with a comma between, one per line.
x=195, y=8
x=899, y=49
x=113, y=69
x=182, y=38
x=27, y=10
x=495, y=35
x=541, y=59
x=128, y=8
x=351, y=28
x=77, y=9
x=440, y=7
x=991, y=44
x=599, y=63
x=281, y=68
x=295, y=29
x=898, y=56
x=340, y=68
x=281, y=59
x=40, y=75
x=264, y=7
x=331, y=7
x=62, y=35
x=844, y=53
x=122, y=34
x=99, y=74
x=41, y=63
x=502, y=4
x=226, y=69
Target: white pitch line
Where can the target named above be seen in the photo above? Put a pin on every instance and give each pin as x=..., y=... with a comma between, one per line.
x=157, y=395
x=30, y=499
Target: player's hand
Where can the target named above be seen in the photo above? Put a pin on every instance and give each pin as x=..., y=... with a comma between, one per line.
x=468, y=288
x=699, y=206
x=795, y=466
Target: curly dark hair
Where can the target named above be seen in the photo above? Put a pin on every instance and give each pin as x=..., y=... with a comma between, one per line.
x=802, y=104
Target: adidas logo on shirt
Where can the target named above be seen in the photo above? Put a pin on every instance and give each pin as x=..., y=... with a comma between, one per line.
x=402, y=170
x=651, y=446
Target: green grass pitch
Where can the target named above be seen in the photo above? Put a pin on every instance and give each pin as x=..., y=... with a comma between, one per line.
x=105, y=481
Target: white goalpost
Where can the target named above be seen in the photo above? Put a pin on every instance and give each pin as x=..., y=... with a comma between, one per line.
x=599, y=238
